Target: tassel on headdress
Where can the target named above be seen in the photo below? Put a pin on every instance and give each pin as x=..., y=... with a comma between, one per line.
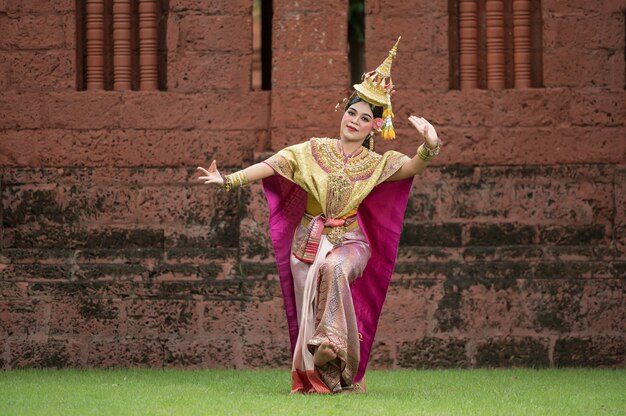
x=377, y=87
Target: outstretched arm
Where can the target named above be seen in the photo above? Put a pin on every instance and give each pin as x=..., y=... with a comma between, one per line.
x=424, y=154
x=249, y=174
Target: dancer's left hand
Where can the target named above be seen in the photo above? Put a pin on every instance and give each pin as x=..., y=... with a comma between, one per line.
x=426, y=130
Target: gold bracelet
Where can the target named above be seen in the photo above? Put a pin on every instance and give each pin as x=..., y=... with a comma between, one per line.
x=426, y=153
x=235, y=180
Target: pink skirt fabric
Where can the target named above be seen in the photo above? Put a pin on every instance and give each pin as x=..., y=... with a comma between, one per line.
x=379, y=220
x=326, y=313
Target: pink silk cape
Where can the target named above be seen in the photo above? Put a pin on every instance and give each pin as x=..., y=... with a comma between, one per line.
x=380, y=216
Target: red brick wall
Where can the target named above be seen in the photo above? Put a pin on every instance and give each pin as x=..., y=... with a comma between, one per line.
x=514, y=248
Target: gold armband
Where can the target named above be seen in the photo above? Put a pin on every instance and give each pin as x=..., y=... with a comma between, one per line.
x=426, y=153
x=235, y=180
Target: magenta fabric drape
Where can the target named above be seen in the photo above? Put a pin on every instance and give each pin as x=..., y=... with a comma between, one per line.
x=380, y=216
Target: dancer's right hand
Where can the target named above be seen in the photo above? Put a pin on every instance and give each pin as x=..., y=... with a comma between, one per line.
x=212, y=175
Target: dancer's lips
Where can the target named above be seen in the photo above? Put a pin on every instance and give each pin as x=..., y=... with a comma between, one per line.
x=352, y=128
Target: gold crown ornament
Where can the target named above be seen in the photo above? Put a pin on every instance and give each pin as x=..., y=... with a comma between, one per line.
x=377, y=87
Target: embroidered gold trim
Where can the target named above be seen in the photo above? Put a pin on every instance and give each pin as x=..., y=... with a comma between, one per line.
x=328, y=156
x=339, y=191
x=280, y=164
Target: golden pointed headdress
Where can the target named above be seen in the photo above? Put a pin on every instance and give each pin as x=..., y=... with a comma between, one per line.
x=377, y=87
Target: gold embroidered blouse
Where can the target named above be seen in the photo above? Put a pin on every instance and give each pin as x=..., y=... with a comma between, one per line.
x=318, y=167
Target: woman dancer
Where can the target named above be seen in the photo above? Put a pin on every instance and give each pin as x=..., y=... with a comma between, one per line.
x=336, y=210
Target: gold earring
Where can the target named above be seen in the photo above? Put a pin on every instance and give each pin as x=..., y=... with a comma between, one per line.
x=372, y=142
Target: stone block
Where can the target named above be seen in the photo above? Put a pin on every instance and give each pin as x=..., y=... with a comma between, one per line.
x=265, y=334
x=45, y=353
x=306, y=8
x=209, y=33
x=440, y=35
x=80, y=317
x=59, y=289
x=193, y=72
x=36, y=272
x=206, y=352
x=23, y=318
x=221, y=318
x=443, y=235
x=580, y=7
x=302, y=109
x=254, y=240
x=432, y=35
x=35, y=7
x=411, y=10
x=550, y=304
x=163, y=317
x=620, y=240
x=596, y=107
x=620, y=196
x=69, y=27
x=310, y=33
x=408, y=311
x=34, y=71
x=189, y=283
x=301, y=70
x=381, y=356
x=432, y=353
x=200, y=236
x=579, y=31
x=158, y=110
x=197, y=256
x=35, y=217
x=490, y=309
x=498, y=146
x=172, y=34
x=530, y=107
x=125, y=352
x=29, y=32
x=513, y=352
x=450, y=108
x=448, y=315
x=579, y=253
x=129, y=148
x=82, y=110
x=604, y=305
x=31, y=235
x=501, y=234
x=574, y=235
x=217, y=7
x=523, y=194
x=13, y=290
x=5, y=72
x=22, y=111
x=220, y=269
x=282, y=137
x=597, y=351
x=579, y=68
x=573, y=270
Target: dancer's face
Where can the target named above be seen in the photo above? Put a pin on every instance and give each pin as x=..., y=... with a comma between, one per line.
x=357, y=122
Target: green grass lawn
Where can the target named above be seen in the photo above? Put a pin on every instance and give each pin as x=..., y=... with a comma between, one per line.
x=266, y=392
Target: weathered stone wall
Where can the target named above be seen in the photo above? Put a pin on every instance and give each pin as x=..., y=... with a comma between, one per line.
x=514, y=247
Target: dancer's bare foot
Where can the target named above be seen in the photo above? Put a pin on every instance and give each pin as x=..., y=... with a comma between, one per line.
x=324, y=354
